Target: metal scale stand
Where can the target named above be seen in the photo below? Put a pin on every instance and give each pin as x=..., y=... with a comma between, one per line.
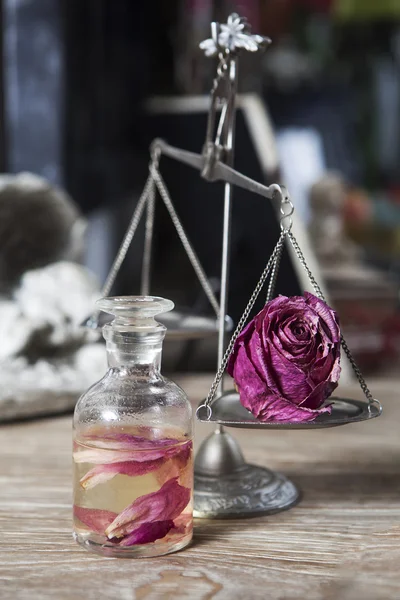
x=225, y=485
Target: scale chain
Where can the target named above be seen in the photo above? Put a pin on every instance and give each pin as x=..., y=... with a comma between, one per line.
x=202, y=277
x=318, y=291
x=148, y=241
x=285, y=222
x=274, y=274
x=271, y=263
x=128, y=238
x=243, y=319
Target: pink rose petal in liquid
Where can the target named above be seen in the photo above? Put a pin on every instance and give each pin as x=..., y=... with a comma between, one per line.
x=165, y=504
x=154, y=517
x=169, y=466
x=95, y=519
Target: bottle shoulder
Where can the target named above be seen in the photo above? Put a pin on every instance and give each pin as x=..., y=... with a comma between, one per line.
x=117, y=383
x=119, y=395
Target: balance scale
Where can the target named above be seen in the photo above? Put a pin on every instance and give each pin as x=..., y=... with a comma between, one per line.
x=225, y=486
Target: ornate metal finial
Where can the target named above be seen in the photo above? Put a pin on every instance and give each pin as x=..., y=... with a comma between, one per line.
x=233, y=36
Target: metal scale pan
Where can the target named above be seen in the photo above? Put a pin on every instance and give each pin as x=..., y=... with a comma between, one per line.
x=227, y=410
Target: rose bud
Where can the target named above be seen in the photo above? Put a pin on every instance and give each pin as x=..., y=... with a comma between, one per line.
x=286, y=361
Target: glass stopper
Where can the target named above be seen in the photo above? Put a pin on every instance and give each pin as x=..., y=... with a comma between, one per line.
x=136, y=312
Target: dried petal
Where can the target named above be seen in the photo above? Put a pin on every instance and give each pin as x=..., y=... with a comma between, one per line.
x=94, y=519
x=128, y=441
x=174, y=460
x=165, y=504
x=103, y=473
x=266, y=405
x=147, y=533
x=176, y=467
x=112, y=448
x=183, y=524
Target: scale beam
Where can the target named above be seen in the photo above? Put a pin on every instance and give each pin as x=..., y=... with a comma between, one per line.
x=215, y=170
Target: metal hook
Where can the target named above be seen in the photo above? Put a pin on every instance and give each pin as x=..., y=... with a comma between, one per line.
x=155, y=152
x=208, y=414
x=286, y=209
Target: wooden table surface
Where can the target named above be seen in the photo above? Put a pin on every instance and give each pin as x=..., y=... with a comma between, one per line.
x=341, y=542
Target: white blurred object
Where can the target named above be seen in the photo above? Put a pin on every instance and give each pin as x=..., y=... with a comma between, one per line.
x=288, y=67
x=331, y=244
x=15, y=329
x=57, y=298
x=46, y=359
x=89, y=359
x=48, y=386
x=302, y=163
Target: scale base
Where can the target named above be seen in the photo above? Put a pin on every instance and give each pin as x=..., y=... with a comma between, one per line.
x=226, y=487
x=248, y=492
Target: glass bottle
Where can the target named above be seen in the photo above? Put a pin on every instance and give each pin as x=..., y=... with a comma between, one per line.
x=133, y=468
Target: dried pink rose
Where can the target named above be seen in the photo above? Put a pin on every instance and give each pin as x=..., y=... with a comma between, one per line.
x=286, y=362
x=164, y=505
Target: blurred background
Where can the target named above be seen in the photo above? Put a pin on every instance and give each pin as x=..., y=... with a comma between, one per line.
x=74, y=99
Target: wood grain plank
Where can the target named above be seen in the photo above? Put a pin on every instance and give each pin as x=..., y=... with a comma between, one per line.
x=341, y=541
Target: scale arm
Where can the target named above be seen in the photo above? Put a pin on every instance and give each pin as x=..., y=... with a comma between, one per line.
x=184, y=156
x=224, y=173
x=219, y=171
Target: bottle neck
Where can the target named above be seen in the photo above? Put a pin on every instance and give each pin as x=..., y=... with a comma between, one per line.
x=134, y=350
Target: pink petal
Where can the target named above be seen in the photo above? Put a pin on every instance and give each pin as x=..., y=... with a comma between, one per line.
x=127, y=441
x=276, y=409
x=166, y=504
x=103, y=454
x=186, y=476
x=95, y=519
x=265, y=404
x=176, y=467
x=183, y=525
x=327, y=316
x=322, y=390
x=291, y=381
x=103, y=473
x=243, y=339
x=147, y=533
x=172, y=466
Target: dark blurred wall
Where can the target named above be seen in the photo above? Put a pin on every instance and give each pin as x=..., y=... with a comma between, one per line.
x=33, y=87
x=75, y=75
x=109, y=59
